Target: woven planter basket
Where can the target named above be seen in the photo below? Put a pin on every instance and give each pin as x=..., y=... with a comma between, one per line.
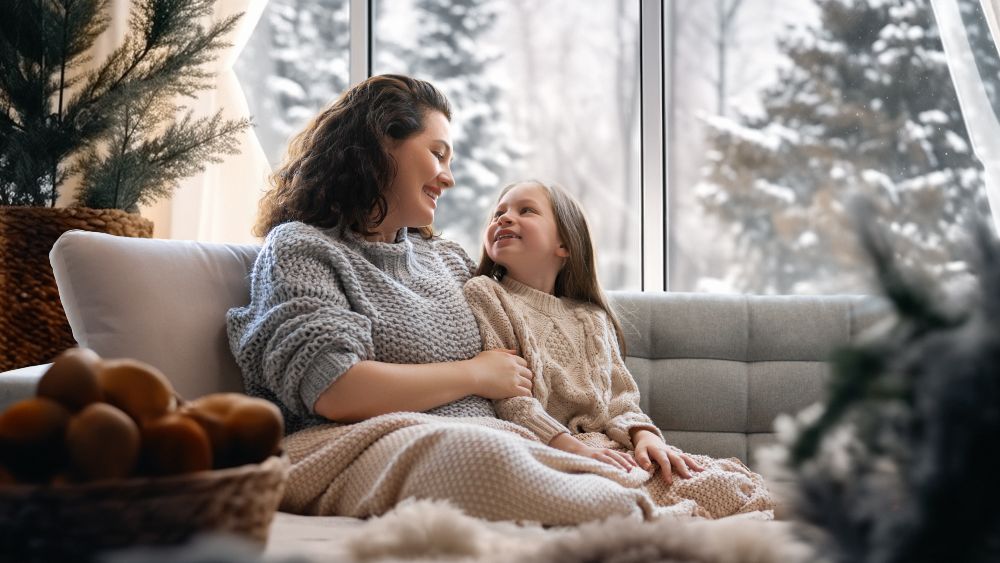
x=33, y=326
x=76, y=522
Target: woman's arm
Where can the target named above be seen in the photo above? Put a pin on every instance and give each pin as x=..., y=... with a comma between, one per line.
x=371, y=388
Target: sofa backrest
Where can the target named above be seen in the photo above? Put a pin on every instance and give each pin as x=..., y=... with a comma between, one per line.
x=713, y=370
x=159, y=301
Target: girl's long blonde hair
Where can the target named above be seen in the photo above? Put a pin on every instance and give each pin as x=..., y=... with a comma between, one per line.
x=578, y=277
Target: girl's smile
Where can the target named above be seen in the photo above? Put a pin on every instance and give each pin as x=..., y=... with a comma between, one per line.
x=504, y=235
x=523, y=237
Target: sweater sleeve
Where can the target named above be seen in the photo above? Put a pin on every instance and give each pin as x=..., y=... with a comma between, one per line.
x=624, y=409
x=497, y=331
x=298, y=334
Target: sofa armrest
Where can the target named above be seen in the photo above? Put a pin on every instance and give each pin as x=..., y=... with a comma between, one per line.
x=19, y=384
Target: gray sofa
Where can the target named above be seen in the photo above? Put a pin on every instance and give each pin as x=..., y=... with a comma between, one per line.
x=714, y=370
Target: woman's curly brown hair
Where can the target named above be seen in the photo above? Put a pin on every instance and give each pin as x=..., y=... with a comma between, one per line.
x=338, y=168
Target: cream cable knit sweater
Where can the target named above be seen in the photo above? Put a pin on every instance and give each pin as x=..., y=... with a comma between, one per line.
x=580, y=382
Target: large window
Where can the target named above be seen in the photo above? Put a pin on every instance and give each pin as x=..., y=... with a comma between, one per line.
x=762, y=117
x=799, y=107
x=540, y=90
x=295, y=63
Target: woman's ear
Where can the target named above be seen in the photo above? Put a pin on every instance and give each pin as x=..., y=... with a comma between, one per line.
x=562, y=251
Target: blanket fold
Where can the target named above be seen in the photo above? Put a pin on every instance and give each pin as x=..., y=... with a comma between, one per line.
x=491, y=469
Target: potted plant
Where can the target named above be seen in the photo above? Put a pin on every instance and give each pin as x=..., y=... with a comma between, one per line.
x=116, y=130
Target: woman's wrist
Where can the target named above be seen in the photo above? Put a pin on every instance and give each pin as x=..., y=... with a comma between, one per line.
x=466, y=376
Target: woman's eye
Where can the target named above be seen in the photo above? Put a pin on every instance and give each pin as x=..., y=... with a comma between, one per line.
x=439, y=155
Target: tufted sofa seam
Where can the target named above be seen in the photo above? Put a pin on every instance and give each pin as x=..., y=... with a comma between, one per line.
x=746, y=375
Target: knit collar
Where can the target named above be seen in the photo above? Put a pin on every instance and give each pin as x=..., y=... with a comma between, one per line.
x=544, y=302
x=395, y=258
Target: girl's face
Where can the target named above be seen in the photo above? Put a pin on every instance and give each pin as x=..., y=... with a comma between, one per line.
x=423, y=172
x=523, y=236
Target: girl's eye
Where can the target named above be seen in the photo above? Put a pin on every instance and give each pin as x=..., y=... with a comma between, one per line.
x=527, y=210
x=497, y=213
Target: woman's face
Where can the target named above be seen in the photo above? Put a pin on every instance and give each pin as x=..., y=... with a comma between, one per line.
x=423, y=172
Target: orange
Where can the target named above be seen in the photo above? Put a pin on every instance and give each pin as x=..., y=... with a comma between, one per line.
x=72, y=379
x=103, y=443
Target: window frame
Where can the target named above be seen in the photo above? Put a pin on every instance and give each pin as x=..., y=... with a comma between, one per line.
x=653, y=197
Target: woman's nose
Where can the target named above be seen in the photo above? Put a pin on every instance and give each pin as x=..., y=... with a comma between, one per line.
x=446, y=178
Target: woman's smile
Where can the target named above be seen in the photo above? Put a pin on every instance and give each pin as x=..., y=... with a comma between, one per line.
x=432, y=193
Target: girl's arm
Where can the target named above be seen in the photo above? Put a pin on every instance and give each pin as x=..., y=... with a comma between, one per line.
x=496, y=326
x=630, y=427
x=371, y=388
x=627, y=417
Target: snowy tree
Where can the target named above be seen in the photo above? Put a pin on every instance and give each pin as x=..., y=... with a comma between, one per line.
x=866, y=105
x=298, y=66
x=574, y=113
x=449, y=52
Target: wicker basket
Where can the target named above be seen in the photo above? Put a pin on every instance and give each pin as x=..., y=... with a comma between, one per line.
x=75, y=522
x=33, y=326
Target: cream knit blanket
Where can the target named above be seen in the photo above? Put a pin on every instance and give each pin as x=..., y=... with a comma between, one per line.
x=491, y=469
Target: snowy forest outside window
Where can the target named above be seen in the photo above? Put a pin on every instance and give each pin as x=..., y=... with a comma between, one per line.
x=545, y=90
x=295, y=63
x=776, y=111
x=859, y=100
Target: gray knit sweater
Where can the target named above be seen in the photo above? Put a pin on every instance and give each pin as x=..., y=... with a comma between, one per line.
x=323, y=300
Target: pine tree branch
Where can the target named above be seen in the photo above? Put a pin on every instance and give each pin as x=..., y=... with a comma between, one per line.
x=7, y=120
x=64, y=48
x=143, y=171
x=145, y=68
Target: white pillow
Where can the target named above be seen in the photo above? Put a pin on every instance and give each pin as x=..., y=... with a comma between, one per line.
x=159, y=301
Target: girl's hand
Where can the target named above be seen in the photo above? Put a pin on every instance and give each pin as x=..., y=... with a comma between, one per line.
x=650, y=449
x=570, y=444
x=500, y=374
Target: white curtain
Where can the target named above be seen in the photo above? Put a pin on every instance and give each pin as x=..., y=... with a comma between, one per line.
x=220, y=204
x=980, y=116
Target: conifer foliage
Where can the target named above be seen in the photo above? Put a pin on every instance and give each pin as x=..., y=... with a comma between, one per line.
x=899, y=465
x=865, y=105
x=118, y=126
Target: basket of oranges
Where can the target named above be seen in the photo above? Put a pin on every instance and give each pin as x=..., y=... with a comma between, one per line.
x=107, y=455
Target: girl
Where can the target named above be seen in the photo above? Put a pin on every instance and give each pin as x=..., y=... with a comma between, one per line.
x=536, y=294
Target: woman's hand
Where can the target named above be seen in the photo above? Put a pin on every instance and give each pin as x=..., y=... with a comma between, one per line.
x=571, y=444
x=650, y=449
x=501, y=374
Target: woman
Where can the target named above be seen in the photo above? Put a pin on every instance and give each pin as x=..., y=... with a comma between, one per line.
x=357, y=315
x=357, y=308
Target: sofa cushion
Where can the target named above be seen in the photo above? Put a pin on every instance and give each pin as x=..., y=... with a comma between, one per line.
x=715, y=370
x=159, y=301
